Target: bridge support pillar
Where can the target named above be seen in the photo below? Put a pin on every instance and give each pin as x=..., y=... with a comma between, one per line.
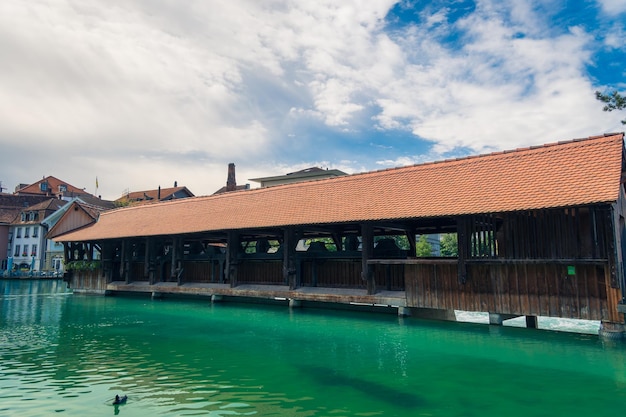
x=612, y=331
x=497, y=318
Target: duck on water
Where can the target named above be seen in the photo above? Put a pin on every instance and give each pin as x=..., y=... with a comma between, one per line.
x=120, y=400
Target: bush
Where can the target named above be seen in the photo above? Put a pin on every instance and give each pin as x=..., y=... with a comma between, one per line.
x=82, y=265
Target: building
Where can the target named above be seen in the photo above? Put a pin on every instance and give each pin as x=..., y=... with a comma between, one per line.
x=10, y=208
x=50, y=187
x=27, y=252
x=231, y=182
x=77, y=213
x=308, y=174
x=156, y=195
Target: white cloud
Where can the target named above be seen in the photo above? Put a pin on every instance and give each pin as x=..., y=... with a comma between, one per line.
x=142, y=92
x=499, y=91
x=613, y=7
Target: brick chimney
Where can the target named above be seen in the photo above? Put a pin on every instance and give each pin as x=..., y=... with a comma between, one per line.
x=231, y=184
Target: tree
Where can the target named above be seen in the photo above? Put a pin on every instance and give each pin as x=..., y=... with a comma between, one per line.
x=449, y=244
x=423, y=248
x=613, y=101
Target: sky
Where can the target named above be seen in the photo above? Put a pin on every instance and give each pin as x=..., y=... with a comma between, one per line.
x=142, y=93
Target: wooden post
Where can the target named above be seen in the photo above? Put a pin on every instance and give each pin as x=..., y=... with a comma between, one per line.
x=610, y=238
x=367, y=250
x=289, y=261
x=107, y=261
x=174, y=259
x=67, y=253
x=123, y=261
x=150, y=265
x=146, y=260
x=410, y=235
x=127, y=261
x=463, y=246
x=179, y=262
x=89, y=251
x=232, y=252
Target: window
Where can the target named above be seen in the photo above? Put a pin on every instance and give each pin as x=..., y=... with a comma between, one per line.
x=33, y=251
x=35, y=231
x=17, y=250
x=31, y=216
x=19, y=232
x=27, y=232
x=23, y=217
x=62, y=188
x=25, y=250
x=43, y=186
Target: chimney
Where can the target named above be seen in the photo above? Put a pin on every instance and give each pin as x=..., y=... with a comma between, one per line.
x=159, y=194
x=175, y=184
x=231, y=184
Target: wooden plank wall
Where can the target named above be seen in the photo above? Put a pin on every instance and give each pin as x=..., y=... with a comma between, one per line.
x=88, y=280
x=137, y=272
x=542, y=289
x=201, y=271
x=335, y=273
x=260, y=272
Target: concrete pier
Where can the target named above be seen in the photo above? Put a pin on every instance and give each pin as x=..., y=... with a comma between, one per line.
x=612, y=331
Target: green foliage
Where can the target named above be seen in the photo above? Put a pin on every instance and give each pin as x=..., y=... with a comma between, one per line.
x=423, y=248
x=612, y=101
x=328, y=242
x=82, y=265
x=122, y=203
x=449, y=245
x=401, y=240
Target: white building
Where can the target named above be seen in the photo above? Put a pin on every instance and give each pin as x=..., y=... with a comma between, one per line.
x=27, y=236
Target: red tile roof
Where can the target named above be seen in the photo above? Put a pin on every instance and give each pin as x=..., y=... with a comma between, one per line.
x=153, y=195
x=52, y=188
x=579, y=172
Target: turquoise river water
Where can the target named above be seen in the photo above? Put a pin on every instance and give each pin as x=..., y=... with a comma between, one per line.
x=63, y=354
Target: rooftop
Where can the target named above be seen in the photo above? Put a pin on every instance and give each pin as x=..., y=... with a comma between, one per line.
x=577, y=172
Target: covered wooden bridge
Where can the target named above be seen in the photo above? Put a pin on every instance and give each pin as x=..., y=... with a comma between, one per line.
x=541, y=232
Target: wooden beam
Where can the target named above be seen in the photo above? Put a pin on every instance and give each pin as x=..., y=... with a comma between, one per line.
x=123, y=260
x=367, y=251
x=232, y=252
x=146, y=259
x=463, y=249
x=609, y=237
x=290, y=275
